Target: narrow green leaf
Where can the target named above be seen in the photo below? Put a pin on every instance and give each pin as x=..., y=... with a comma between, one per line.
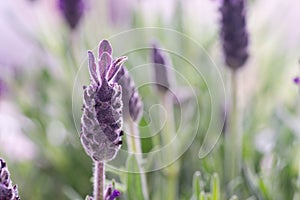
x=208, y=196
x=202, y=196
x=196, y=185
x=215, y=187
x=134, y=183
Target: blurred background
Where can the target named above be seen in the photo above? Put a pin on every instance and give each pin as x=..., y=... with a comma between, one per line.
x=43, y=68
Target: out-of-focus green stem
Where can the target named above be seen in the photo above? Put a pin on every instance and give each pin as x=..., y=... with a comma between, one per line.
x=99, y=181
x=232, y=136
x=134, y=146
x=170, y=187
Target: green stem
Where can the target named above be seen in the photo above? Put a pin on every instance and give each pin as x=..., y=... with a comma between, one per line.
x=170, y=187
x=134, y=146
x=99, y=179
x=232, y=137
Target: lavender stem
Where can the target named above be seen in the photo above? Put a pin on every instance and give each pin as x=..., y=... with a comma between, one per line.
x=134, y=145
x=171, y=172
x=232, y=140
x=99, y=179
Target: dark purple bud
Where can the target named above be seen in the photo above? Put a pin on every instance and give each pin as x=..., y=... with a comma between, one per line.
x=132, y=103
x=72, y=10
x=234, y=34
x=297, y=80
x=7, y=190
x=161, y=69
x=102, y=107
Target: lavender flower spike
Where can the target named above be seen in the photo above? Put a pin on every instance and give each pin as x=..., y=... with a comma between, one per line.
x=233, y=33
x=7, y=190
x=132, y=103
x=161, y=70
x=102, y=108
x=72, y=10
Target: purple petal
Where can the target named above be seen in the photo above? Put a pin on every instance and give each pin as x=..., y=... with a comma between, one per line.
x=92, y=68
x=104, y=63
x=115, y=67
x=297, y=80
x=114, y=195
x=104, y=46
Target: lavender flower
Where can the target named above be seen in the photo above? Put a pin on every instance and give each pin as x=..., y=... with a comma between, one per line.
x=7, y=190
x=72, y=11
x=111, y=193
x=102, y=109
x=132, y=103
x=297, y=80
x=161, y=71
x=233, y=33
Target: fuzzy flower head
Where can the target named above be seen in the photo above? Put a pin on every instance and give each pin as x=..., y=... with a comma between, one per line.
x=72, y=10
x=132, y=103
x=102, y=106
x=234, y=33
x=7, y=190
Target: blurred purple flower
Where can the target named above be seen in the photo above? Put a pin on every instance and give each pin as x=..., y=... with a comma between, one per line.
x=132, y=103
x=3, y=88
x=114, y=195
x=297, y=80
x=161, y=69
x=72, y=10
x=120, y=11
x=7, y=190
x=111, y=193
x=102, y=108
x=233, y=33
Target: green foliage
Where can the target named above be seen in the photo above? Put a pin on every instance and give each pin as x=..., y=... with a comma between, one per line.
x=45, y=100
x=134, y=185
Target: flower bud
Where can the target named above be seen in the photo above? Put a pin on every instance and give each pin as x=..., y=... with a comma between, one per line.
x=234, y=33
x=102, y=106
x=132, y=103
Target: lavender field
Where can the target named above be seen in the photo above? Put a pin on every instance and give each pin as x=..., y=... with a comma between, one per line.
x=149, y=100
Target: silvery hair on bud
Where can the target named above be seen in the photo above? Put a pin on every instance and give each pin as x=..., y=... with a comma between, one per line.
x=102, y=106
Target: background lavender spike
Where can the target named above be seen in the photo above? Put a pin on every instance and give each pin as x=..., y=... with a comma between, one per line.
x=7, y=190
x=132, y=103
x=72, y=10
x=233, y=33
x=102, y=112
x=161, y=71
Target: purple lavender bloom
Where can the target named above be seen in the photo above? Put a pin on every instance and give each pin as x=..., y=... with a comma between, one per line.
x=114, y=195
x=132, y=103
x=72, y=11
x=111, y=193
x=102, y=108
x=297, y=80
x=7, y=190
x=233, y=33
x=161, y=71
